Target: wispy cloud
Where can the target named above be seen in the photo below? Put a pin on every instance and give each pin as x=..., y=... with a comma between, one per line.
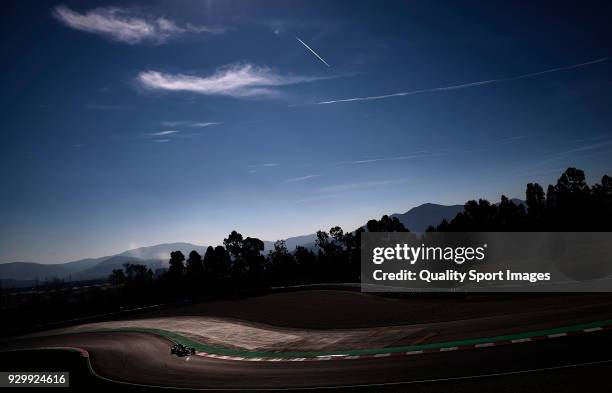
x=125, y=25
x=189, y=123
x=512, y=138
x=466, y=85
x=205, y=124
x=557, y=170
x=410, y=156
x=103, y=107
x=302, y=178
x=163, y=133
x=338, y=188
x=237, y=80
x=319, y=197
x=160, y=140
x=262, y=167
x=345, y=189
x=595, y=147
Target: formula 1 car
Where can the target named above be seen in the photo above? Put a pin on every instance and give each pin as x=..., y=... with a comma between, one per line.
x=182, y=350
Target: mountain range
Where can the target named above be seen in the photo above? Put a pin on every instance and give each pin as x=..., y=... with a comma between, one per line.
x=24, y=274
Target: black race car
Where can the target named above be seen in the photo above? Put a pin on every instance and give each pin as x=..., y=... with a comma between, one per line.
x=182, y=350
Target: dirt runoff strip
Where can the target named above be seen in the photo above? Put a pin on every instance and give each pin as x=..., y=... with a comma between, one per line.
x=240, y=335
x=353, y=354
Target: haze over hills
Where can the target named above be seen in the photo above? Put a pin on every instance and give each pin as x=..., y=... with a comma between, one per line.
x=21, y=274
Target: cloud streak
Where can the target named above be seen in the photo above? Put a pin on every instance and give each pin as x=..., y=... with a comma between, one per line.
x=163, y=133
x=312, y=51
x=417, y=154
x=123, y=25
x=189, y=123
x=302, y=178
x=262, y=167
x=238, y=80
x=466, y=85
x=339, y=188
x=574, y=152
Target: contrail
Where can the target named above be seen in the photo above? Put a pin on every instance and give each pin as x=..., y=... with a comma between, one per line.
x=313, y=52
x=466, y=85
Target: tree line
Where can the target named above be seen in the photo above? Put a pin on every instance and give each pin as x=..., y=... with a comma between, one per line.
x=568, y=206
x=239, y=265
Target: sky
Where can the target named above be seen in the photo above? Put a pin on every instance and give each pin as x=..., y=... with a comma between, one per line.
x=131, y=124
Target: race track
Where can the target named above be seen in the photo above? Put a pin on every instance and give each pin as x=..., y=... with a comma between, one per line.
x=145, y=359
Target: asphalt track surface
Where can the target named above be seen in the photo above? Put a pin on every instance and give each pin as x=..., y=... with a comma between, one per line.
x=145, y=359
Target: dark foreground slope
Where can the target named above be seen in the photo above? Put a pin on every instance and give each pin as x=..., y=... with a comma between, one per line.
x=574, y=364
x=565, y=364
x=333, y=309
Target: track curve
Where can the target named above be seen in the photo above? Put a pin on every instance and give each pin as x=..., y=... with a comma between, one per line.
x=145, y=359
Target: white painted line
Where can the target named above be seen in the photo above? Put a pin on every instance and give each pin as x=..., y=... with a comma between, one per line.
x=449, y=349
x=352, y=357
x=557, y=335
x=382, y=355
x=484, y=345
x=323, y=358
x=414, y=353
x=521, y=340
x=594, y=329
x=297, y=359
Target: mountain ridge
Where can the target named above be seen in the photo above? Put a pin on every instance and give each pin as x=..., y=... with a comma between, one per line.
x=417, y=219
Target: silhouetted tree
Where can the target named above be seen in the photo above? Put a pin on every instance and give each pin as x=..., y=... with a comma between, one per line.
x=386, y=224
x=247, y=263
x=223, y=262
x=307, y=265
x=177, y=266
x=281, y=266
x=137, y=275
x=536, y=201
x=233, y=244
x=569, y=205
x=195, y=272
x=117, y=278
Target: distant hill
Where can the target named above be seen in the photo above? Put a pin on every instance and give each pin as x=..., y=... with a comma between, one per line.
x=517, y=202
x=23, y=274
x=104, y=268
x=292, y=242
x=419, y=218
x=162, y=251
x=416, y=219
x=33, y=270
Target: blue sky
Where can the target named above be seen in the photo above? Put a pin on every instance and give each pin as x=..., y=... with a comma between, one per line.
x=130, y=124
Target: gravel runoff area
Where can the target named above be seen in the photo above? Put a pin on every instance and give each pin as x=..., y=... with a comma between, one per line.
x=230, y=332
x=241, y=335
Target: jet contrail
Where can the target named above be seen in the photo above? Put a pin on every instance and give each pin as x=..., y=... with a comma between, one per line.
x=466, y=85
x=313, y=52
